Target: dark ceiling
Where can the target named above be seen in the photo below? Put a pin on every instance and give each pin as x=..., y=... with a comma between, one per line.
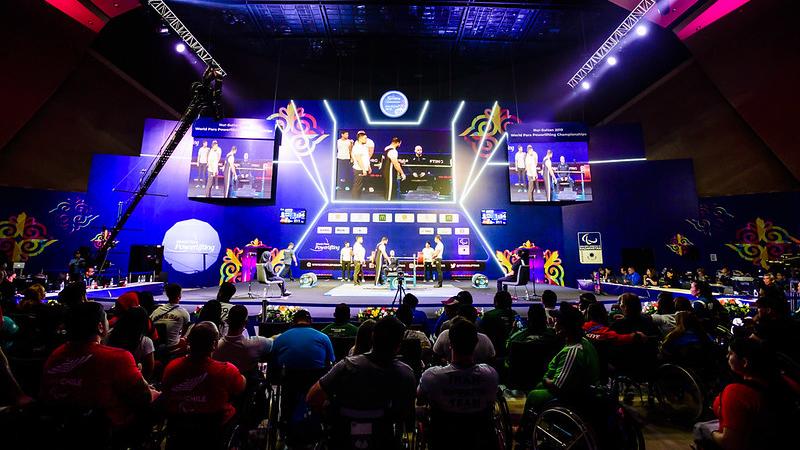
x=474, y=50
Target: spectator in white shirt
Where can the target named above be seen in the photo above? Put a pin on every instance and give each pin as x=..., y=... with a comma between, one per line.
x=243, y=352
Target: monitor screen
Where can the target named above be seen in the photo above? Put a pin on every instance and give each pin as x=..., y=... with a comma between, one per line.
x=232, y=159
x=423, y=156
x=494, y=216
x=549, y=162
x=293, y=216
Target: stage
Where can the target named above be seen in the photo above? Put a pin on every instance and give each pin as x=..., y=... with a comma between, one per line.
x=321, y=299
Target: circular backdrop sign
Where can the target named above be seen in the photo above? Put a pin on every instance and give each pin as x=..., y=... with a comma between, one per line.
x=394, y=104
x=191, y=246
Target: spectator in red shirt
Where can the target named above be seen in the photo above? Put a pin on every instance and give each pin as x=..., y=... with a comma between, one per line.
x=84, y=373
x=748, y=411
x=596, y=327
x=196, y=384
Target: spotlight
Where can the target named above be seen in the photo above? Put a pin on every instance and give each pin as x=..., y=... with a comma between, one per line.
x=611, y=61
x=163, y=28
x=641, y=30
x=180, y=48
x=586, y=85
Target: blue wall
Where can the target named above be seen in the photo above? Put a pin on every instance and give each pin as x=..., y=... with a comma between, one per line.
x=636, y=204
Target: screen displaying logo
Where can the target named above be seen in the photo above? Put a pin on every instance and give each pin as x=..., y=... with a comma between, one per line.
x=590, y=247
x=394, y=104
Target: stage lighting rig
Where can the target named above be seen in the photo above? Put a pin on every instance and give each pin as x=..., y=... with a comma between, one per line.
x=612, y=41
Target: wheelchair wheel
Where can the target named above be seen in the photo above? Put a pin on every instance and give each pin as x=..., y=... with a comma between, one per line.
x=560, y=428
x=502, y=423
x=679, y=393
x=274, y=393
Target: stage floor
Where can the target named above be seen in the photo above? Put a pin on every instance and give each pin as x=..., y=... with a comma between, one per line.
x=322, y=298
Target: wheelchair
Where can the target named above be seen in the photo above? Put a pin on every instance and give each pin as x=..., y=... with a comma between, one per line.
x=485, y=430
x=360, y=429
x=599, y=423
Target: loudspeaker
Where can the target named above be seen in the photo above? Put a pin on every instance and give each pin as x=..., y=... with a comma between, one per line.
x=639, y=258
x=146, y=258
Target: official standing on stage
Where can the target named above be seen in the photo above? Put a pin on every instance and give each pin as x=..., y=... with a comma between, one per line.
x=359, y=255
x=361, y=153
x=344, y=159
x=230, y=172
x=548, y=175
x=346, y=259
x=531, y=165
x=214, y=156
x=381, y=258
x=202, y=164
x=519, y=165
x=438, y=253
x=427, y=261
x=391, y=170
x=288, y=259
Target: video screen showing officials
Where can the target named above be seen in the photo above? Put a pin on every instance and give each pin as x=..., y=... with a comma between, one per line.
x=394, y=165
x=549, y=163
x=231, y=168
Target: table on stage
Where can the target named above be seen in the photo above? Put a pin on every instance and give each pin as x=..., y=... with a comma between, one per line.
x=651, y=292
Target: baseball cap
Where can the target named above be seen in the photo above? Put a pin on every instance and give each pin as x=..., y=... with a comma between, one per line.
x=360, y=132
x=450, y=301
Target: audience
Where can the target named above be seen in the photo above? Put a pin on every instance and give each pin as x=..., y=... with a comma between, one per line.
x=173, y=317
x=774, y=326
x=418, y=317
x=536, y=329
x=687, y=339
x=749, y=410
x=458, y=390
x=72, y=294
x=363, y=338
x=302, y=347
x=596, y=327
x=570, y=373
x=632, y=318
x=196, y=385
x=129, y=334
x=341, y=326
x=664, y=318
x=584, y=300
x=484, y=350
x=549, y=301
x=85, y=373
x=210, y=312
x=224, y=295
x=498, y=323
x=243, y=352
x=405, y=316
x=375, y=380
x=449, y=310
x=707, y=308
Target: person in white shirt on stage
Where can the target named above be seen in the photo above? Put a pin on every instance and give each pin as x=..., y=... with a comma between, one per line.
x=346, y=259
x=214, y=156
x=381, y=258
x=531, y=165
x=202, y=164
x=361, y=153
x=548, y=176
x=359, y=256
x=344, y=159
x=438, y=253
x=392, y=171
x=229, y=169
x=427, y=261
x=519, y=165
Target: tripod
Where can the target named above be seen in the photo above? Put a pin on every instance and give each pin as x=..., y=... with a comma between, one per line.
x=400, y=292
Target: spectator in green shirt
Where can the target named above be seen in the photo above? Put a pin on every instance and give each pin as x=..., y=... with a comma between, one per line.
x=341, y=326
x=536, y=330
x=570, y=373
x=498, y=323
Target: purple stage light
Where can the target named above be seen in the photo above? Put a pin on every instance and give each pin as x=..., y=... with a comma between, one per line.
x=611, y=61
x=641, y=30
x=180, y=48
x=586, y=85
